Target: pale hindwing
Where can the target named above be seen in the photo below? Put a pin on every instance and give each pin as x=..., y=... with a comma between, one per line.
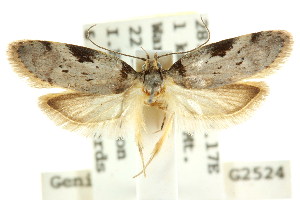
x=94, y=115
x=214, y=108
x=228, y=61
x=53, y=64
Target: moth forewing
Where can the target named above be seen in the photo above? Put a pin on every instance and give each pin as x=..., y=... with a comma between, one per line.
x=53, y=64
x=228, y=61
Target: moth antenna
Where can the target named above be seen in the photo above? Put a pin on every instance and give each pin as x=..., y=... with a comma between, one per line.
x=148, y=57
x=183, y=52
x=112, y=51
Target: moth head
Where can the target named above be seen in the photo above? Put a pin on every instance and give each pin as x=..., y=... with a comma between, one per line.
x=153, y=79
x=151, y=63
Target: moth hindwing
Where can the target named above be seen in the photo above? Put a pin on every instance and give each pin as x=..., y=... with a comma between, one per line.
x=207, y=87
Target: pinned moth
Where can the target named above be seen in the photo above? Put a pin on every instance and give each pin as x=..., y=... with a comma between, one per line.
x=208, y=87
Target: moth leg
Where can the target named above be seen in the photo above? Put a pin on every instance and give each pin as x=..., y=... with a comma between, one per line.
x=138, y=140
x=167, y=128
x=162, y=125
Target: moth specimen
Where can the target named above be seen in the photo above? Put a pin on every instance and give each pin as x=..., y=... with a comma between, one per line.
x=208, y=87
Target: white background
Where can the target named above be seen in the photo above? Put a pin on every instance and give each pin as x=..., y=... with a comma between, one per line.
x=30, y=143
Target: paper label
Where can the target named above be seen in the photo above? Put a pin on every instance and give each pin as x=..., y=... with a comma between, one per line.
x=257, y=180
x=199, y=170
x=197, y=157
x=75, y=185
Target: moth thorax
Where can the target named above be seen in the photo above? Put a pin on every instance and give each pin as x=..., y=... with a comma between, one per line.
x=153, y=82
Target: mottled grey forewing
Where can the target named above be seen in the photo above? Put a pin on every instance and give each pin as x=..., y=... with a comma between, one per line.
x=73, y=67
x=231, y=60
